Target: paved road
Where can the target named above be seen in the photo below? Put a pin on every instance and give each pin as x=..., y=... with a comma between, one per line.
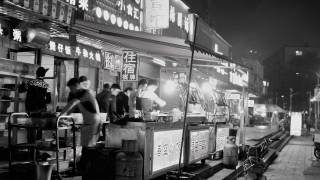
x=295, y=162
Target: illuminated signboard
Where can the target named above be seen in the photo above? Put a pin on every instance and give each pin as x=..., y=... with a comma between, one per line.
x=112, y=61
x=60, y=10
x=174, y=20
x=157, y=14
x=17, y=35
x=1, y=30
x=125, y=14
x=75, y=51
x=238, y=77
x=166, y=149
x=221, y=138
x=129, y=66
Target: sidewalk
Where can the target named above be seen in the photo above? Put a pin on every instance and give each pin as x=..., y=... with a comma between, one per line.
x=295, y=162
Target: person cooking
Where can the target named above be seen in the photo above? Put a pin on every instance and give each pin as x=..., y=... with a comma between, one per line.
x=150, y=101
x=134, y=100
x=150, y=94
x=88, y=106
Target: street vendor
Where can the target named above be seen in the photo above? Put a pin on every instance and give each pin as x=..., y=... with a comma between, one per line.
x=134, y=105
x=150, y=94
x=89, y=109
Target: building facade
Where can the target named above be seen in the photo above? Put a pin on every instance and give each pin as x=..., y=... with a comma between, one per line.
x=291, y=72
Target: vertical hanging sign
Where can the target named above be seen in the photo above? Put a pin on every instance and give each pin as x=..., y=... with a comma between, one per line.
x=61, y=12
x=130, y=66
x=45, y=7
x=69, y=15
x=36, y=4
x=26, y=3
x=54, y=9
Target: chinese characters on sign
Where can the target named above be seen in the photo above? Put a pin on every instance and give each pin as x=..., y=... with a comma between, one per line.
x=130, y=66
x=79, y=51
x=60, y=10
x=17, y=36
x=178, y=15
x=124, y=14
x=157, y=14
x=199, y=144
x=221, y=138
x=112, y=61
x=166, y=149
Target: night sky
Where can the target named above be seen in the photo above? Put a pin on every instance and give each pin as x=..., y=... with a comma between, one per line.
x=263, y=25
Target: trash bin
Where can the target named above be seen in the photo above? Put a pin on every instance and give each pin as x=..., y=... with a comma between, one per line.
x=44, y=170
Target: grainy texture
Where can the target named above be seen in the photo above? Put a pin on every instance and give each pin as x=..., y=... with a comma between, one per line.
x=295, y=159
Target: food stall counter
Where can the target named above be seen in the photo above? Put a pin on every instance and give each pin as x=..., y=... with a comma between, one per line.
x=159, y=143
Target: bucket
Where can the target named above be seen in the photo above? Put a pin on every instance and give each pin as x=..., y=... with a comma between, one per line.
x=43, y=171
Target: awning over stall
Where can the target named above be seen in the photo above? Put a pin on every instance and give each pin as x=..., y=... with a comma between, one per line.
x=143, y=42
x=268, y=108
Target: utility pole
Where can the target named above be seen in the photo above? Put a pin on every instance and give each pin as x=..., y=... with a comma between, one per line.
x=291, y=95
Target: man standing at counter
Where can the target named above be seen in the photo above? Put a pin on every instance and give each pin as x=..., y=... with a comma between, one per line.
x=89, y=109
x=37, y=93
x=134, y=105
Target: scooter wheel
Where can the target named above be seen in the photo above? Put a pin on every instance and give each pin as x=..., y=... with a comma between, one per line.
x=316, y=153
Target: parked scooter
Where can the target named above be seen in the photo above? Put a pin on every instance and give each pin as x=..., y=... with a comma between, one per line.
x=316, y=142
x=253, y=166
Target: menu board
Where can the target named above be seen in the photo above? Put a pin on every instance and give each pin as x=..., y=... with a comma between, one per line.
x=166, y=149
x=199, y=144
x=130, y=66
x=221, y=138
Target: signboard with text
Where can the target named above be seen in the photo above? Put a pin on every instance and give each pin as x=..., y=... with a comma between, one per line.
x=129, y=66
x=157, y=14
x=221, y=138
x=112, y=61
x=166, y=149
x=124, y=14
x=81, y=51
x=296, y=124
x=199, y=144
x=59, y=10
x=167, y=18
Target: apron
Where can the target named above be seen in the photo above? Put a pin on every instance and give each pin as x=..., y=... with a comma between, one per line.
x=90, y=130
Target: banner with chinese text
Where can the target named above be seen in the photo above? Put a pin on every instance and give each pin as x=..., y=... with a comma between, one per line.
x=129, y=66
x=59, y=10
x=112, y=61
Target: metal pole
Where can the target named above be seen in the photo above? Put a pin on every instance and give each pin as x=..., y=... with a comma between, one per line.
x=290, y=107
x=188, y=92
x=243, y=117
x=316, y=120
x=315, y=114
